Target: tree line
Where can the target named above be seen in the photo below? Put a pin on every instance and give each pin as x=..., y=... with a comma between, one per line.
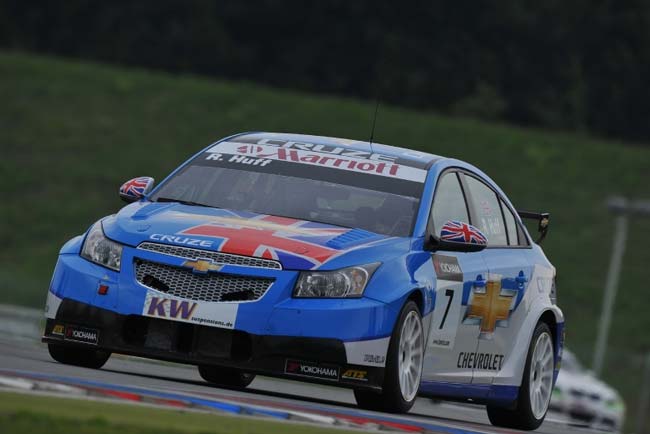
x=580, y=65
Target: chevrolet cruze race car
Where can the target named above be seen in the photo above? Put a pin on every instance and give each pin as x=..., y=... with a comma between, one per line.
x=389, y=271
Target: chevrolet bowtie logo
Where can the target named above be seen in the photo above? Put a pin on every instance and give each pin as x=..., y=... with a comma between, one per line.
x=490, y=307
x=202, y=266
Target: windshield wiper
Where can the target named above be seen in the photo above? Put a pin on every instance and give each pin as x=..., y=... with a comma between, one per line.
x=184, y=202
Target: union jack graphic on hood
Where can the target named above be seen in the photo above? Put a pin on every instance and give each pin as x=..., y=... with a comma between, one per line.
x=298, y=242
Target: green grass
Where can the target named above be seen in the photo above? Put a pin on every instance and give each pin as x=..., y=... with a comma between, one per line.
x=72, y=132
x=33, y=414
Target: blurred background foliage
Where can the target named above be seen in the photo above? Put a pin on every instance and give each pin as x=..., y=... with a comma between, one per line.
x=580, y=65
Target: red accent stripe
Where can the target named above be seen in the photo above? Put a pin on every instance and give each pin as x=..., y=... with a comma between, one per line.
x=122, y=395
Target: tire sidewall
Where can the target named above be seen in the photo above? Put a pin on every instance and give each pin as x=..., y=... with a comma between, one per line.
x=524, y=398
x=84, y=357
x=391, y=382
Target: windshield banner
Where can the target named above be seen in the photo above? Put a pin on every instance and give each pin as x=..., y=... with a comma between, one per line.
x=335, y=158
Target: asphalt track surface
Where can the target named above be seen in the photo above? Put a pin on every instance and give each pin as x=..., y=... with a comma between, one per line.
x=27, y=357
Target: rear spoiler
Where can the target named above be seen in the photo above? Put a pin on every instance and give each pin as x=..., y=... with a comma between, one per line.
x=542, y=222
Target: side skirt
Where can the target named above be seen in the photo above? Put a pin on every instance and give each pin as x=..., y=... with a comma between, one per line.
x=476, y=393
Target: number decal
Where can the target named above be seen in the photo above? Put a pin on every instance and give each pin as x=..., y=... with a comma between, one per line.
x=449, y=293
x=446, y=315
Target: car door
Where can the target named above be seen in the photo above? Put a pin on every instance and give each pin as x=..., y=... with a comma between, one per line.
x=451, y=343
x=497, y=308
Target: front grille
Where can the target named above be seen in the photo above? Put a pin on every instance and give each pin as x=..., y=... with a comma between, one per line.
x=181, y=282
x=217, y=257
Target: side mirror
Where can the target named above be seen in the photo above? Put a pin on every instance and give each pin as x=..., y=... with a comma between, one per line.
x=136, y=188
x=459, y=237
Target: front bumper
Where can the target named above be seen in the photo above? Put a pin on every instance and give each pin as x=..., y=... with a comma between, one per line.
x=272, y=335
x=319, y=360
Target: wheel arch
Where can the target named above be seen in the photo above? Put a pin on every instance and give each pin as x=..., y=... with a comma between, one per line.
x=555, y=323
x=417, y=296
x=512, y=373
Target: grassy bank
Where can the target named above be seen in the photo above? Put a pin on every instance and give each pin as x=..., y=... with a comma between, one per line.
x=35, y=414
x=72, y=132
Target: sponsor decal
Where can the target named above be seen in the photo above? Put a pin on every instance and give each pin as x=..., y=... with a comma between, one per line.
x=447, y=268
x=51, y=305
x=544, y=284
x=240, y=159
x=267, y=236
x=490, y=307
x=543, y=222
x=332, y=157
x=222, y=315
x=486, y=209
x=447, y=307
x=202, y=266
x=171, y=308
x=323, y=149
x=309, y=369
x=213, y=322
x=81, y=334
x=355, y=374
x=440, y=342
x=180, y=240
x=58, y=329
x=480, y=361
x=374, y=359
x=367, y=353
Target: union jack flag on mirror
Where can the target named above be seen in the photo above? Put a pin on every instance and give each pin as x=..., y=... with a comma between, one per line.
x=459, y=232
x=136, y=188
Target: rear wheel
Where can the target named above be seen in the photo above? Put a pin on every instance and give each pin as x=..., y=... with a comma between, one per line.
x=403, y=366
x=228, y=377
x=85, y=357
x=536, y=386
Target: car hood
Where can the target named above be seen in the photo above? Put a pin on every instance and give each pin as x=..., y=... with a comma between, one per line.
x=297, y=244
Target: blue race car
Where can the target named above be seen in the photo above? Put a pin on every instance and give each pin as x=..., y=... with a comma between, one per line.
x=393, y=272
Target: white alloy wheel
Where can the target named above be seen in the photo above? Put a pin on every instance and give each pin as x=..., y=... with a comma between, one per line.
x=410, y=356
x=541, y=375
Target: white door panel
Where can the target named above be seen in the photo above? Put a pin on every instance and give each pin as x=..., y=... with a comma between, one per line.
x=450, y=339
x=503, y=318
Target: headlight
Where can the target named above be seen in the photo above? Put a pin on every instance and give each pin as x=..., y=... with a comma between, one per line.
x=347, y=282
x=100, y=250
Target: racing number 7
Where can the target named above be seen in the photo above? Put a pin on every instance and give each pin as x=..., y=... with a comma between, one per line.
x=449, y=293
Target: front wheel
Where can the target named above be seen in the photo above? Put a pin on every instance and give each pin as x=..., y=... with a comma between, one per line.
x=536, y=386
x=85, y=357
x=225, y=376
x=403, y=366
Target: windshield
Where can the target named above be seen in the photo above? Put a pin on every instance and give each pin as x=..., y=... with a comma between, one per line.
x=339, y=197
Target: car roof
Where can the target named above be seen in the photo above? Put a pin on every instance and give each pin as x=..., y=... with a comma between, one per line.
x=408, y=157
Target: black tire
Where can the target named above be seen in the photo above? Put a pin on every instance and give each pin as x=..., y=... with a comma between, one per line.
x=227, y=377
x=521, y=416
x=390, y=398
x=85, y=357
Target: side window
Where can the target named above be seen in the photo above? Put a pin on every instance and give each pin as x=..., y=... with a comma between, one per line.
x=511, y=225
x=449, y=202
x=489, y=220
